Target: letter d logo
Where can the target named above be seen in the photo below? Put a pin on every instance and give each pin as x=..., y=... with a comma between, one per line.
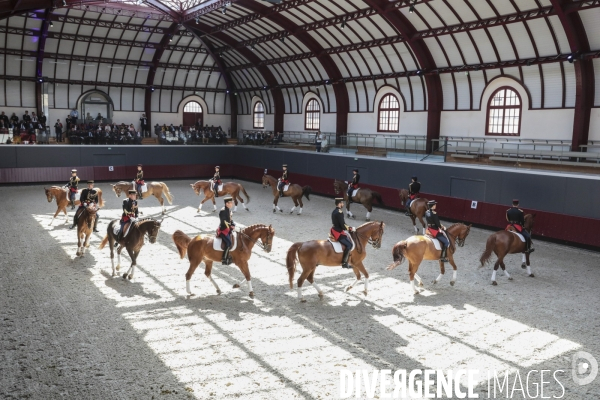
x=584, y=368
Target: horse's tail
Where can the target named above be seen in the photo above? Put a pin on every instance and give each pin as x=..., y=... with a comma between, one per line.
x=182, y=242
x=398, y=254
x=306, y=191
x=168, y=194
x=100, y=201
x=489, y=247
x=377, y=197
x=291, y=260
x=245, y=194
x=103, y=242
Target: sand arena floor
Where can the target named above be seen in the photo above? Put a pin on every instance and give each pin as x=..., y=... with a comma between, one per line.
x=70, y=330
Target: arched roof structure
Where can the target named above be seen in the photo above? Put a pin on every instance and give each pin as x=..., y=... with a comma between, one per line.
x=439, y=54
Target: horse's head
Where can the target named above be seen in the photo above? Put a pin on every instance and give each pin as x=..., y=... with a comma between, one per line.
x=49, y=195
x=338, y=186
x=266, y=238
x=462, y=233
x=265, y=181
x=117, y=190
x=153, y=233
x=375, y=232
x=529, y=218
x=403, y=193
x=196, y=188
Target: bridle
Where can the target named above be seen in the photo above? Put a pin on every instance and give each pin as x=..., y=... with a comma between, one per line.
x=460, y=242
x=376, y=243
x=266, y=247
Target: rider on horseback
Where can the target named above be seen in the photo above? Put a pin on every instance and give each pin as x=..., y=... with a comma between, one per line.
x=284, y=180
x=88, y=196
x=139, y=181
x=72, y=187
x=338, y=230
x=226, y=226
x=413, y=192
x=216, y=181
x=130, y=210
x=436, y=229
x=353, y=185
x=516, y=219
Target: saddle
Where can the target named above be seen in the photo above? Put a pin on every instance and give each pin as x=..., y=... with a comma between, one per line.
x=220, y=188
x=126, y=228
x=517, y=233
x=218, y=244
x=355, y=191
x=144, y=186
x=337, y=246
x=437, y=244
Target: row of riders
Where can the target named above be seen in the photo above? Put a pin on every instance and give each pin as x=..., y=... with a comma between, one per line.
x=352, y=241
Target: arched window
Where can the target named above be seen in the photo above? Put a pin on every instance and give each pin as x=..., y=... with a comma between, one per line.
x=312, y=119
x=259, y=115
x=389, y=114
x=192, y=114
x=504, y=113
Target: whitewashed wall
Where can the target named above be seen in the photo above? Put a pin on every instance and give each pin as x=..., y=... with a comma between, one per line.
x=595, y=125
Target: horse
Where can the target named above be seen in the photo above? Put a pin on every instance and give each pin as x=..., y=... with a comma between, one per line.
x=231, y=188
x=201, y=249
x=320, y=252
x=62, y=201
x=295, y=191
x=418, y=248
x=133, y=242
x=363, y=196
x=503, y=243
x=85, y=224
x=156, y=189
x=418, y=208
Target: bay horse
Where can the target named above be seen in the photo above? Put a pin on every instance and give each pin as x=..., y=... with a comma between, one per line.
x=295, y=191
x=364, y=196
x=418, y=208
x=133, y=242
x=503, y=243
x=62, y=201
x=85, y=224
x=156, y=189
x=200, y=249
x=313, y=253
x=418, y=248
x=231, y=188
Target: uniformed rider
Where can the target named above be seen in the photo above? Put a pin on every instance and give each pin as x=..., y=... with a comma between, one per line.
x=284, y=180
x=436, y=229
x=130, y=211
x=414, y=188
x=516, y=218
x=353, y=185
x=338, y=229
x=226, y=226
x=139, y=181
x=72, y=187
x=216, y=181
x=88, y=196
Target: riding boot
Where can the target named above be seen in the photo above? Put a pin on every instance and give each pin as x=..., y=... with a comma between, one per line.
x=529, y=248
x=226, y=260
x=443, y=257
x=72, y=204
x=345, y=258
x=139, y=196
x=280, y=192
x=74, y=221
x=96, y=225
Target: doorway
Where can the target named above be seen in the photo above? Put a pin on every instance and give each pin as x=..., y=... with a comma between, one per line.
x=192, y=114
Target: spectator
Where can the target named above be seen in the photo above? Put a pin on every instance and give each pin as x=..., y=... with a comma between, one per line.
x=4, y=120
x=318, y=141
x=144, y=126
x=42, y=119
x=34, y=118
x=26, y=117
x=74, y=114
x=157, y=130
x=99, y=117
x=89, y=117
x=14, y=119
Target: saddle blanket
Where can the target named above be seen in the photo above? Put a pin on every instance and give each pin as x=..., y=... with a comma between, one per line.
x=220, y=189
x=144, y=186
x=355, y=191
x=77, y=195
x=337, y=246
x=436, y=243
x=519, y=235
x=217, y=242
x=286, y=187
x=117, y=227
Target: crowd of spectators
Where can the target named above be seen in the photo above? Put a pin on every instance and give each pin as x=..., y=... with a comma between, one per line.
x=261, y=138
x=190, y=134
x=27, y=127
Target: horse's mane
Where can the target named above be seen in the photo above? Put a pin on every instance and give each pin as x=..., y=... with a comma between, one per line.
x=141, y=221
x=453, y=225
x=252, y=228
x=367, y=223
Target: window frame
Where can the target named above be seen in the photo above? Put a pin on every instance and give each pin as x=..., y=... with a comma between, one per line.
x=503, y=107
x=194, y=112
x=312, y=112
x=379, y=109
x=258, y=113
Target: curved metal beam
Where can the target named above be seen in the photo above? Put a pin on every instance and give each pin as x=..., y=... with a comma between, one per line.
x=433, y=82
x=40, y=60
x=584, y=71
x=341, y=92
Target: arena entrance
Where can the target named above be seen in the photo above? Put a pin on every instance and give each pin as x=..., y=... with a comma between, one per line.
x=192, y=114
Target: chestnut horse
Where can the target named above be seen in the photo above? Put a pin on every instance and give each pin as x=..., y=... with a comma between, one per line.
x=418, y=208
x=201, y=249
x=156, y=189
x=133, y=242
x=62, y=201
x=320, y=252
x=231, y=188
x=503, y=243
x=364, y=196
x=295, y=191
x=418, y=248
x=85, y=224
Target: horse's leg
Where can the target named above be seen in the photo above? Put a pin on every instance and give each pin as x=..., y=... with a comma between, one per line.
x=348, y=212
x=418, y=278
x=305, y=273
x=243, y=266
x=241, y=200
x=64, y=209
x=413, y=218
x=112, y=254
x=131, y=256
x=134, y=257
x=78, y=243
x=311, y=279
x=162, y=203
x=201, y=203
x=362, y=269
x=442, y=272
x=275, y=201
x=301, y=204
x=55, y=214
x=119, y=250
x=214, y=204
x=188, y=275
x=526, y=261
x=496, y=265
x=412, y=271
x=369, y=208
x=208, y=272
x=235, y=202
x=505, y=271
x=295, y=200
x=422, y=224
x=454, y=267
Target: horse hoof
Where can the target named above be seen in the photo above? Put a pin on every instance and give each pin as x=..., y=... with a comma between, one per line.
x=218, y=291
x=523, y=265
x=302, y=300
x=531, y=276
x=118, y=267
x=451, y=283
x=321, y=296
x=130, y=277
x=164, y=212
x=348, y=288
x=198, y=211
x=494, y=283
x=365, y=292
x=434, y=282
x=247, y=209
x=510, y=279
x=281, y=211
x=417, y=292
x=125, y=276
x=274, y=211
x=236, y=286
x=113, y=274
x=251, y=294
x=421, y=284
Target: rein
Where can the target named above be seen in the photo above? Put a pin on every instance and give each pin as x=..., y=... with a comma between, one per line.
x=375, y=243
x=256, y=242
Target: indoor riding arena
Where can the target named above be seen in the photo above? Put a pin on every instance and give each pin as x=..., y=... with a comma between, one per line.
x=410, y=189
